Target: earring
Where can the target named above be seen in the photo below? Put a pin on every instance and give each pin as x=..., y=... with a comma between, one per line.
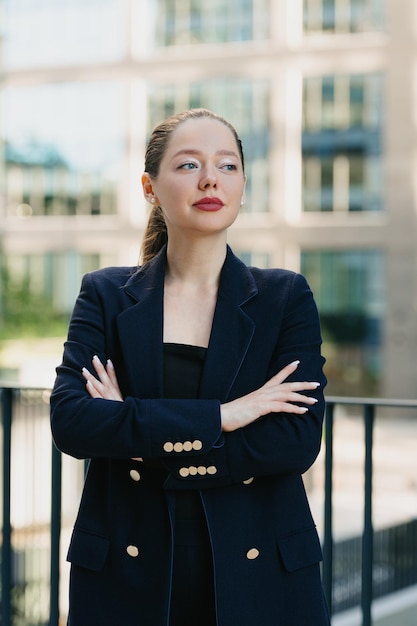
x=153, y=200
x=242, y=202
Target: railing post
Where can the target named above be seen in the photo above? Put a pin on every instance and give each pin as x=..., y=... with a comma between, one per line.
x=368, y=532
x=328, y=507
x=6, y=548
x=56, y=499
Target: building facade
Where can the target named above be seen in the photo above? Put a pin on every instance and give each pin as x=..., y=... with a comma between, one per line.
x=322, y=93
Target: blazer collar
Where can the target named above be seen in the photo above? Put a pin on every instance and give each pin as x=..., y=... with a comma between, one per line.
x=141, y=328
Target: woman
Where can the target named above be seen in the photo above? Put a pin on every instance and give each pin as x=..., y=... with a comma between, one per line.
x=183, y=381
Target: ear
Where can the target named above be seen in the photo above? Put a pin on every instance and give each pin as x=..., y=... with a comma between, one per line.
x=148, y=189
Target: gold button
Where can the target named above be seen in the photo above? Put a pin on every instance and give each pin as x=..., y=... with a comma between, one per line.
x=178, y=447
x=248, y=481
x=132, y=551
x=197, y=445
x=193, y=470
x=211, y=470
x=188, y=446
x=168, y=446
x=134, y=475
x=202, y=470
x=253, y=553
x=184, y=472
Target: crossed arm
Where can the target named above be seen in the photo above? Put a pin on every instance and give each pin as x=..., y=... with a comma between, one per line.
x=275, y=396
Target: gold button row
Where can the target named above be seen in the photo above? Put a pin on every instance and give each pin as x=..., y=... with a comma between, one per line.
x=187, y=446
x=201, y=470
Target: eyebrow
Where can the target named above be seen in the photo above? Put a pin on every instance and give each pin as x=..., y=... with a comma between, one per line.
x=198, y=152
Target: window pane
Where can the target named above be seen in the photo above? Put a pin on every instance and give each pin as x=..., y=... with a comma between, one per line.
x=348, y=286
x=342, y=143
x=340, y=16
x=39, y=291
x=179, y=22
x=59, y=32
x=58, y=159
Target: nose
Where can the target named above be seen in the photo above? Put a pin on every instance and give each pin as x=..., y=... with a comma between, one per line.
x=208, y=179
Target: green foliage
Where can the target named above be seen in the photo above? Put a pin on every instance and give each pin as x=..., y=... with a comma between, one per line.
x=25, y=313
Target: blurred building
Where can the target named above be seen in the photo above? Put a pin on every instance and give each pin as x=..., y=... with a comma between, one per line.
x=323, y=95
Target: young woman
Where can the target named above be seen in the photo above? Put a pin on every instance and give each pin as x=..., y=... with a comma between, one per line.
x=195, y=386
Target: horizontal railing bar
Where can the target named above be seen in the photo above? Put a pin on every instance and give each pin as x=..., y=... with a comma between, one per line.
x=388, y=402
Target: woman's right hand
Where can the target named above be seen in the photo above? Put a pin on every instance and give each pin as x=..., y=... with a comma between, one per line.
x=106, y=386
x=275, y=396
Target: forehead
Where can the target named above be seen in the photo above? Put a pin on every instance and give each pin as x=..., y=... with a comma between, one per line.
x=202, y=134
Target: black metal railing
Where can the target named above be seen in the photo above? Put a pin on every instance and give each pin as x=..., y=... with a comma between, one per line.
x=368, y=406
x=357, y=553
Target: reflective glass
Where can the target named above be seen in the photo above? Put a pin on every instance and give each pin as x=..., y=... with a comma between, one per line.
x=179, y=22
x=63, y=148
x=349, y=289
x=61, y=32
x=342, y=143
x=343, y=16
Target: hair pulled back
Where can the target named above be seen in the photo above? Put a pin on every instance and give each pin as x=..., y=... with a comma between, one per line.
x=156, y=235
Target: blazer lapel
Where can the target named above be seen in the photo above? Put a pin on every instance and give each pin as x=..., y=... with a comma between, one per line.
x=232, y=329
x=140, y=328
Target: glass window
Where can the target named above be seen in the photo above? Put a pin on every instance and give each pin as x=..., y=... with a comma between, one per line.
x=63, y=152
x=343, y=16
x=349, y=289
x=255, y=259
x=60, y=32
x=342, y=143
x=179, y=22
x=243, y=102
x=39, y=291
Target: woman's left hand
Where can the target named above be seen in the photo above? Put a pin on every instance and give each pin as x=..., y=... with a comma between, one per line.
x=106, y=386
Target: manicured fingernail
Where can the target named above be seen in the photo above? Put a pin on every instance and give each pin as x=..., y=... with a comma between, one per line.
x=109, y=362
x=95, y=357
x=295, y=363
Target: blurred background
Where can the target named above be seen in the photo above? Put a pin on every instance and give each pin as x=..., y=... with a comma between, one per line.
x=324, y=96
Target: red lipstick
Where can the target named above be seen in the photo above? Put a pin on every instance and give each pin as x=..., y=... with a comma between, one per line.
x=209, y=204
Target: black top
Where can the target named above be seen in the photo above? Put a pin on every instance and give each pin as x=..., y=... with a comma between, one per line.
x=183, y=366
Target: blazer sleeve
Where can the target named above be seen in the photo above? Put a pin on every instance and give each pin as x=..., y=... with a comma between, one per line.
x=86, y=427
x=278, y=443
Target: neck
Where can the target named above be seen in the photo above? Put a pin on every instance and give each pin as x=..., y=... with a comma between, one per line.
x=196, y=264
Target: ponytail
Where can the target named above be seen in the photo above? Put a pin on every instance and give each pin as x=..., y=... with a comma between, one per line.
x=155, y=236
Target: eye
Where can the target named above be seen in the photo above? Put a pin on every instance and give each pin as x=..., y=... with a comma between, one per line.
x=187, y=166
x=229, y=167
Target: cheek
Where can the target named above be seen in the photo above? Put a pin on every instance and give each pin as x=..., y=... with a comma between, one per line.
x=172, y=188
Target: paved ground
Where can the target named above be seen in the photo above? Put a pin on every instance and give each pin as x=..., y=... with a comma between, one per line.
x=396, y=610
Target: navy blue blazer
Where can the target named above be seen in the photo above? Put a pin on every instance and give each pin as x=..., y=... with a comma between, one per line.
x=265, y=546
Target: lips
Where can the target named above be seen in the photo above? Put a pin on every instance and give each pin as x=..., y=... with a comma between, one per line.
x=209, y=204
